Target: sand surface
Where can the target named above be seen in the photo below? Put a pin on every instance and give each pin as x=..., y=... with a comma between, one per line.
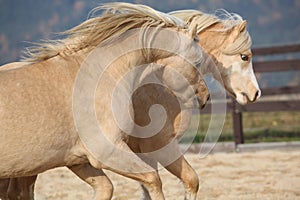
x=256, y=175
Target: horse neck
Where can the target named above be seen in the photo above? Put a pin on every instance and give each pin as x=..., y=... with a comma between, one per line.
x=135, y=65
x=209, y=65
x=122, y=65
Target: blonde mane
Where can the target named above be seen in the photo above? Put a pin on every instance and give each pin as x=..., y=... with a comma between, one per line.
x=116, y=19
x=226, y=19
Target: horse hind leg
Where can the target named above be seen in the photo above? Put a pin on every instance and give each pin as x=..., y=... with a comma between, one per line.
x=96, y=178
x=21, y=188
x=4, y=183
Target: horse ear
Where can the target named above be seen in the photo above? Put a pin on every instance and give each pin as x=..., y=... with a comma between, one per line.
x=235, y=32
x=242, y=26
x=193, y=32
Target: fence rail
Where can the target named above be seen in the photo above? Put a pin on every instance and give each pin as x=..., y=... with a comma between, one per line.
x=276, y=50
x=276, y=66
x=270, y=105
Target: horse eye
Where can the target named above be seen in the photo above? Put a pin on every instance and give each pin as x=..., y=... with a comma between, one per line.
x=244, y=57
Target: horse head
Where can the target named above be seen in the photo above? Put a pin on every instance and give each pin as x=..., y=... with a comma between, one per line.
x=234, y=60
x=227, y=44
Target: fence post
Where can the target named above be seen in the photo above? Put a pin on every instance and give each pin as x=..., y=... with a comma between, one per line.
x=237, y=124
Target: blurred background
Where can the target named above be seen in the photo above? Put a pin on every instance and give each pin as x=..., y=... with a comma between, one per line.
x=270, y=22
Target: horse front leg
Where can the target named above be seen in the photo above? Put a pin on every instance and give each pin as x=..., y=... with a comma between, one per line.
x=137, y=169
x=182, y=169
x=145, y=193
x=96, y=178
x=179, y=167
x=137, y=146
x=151, y=184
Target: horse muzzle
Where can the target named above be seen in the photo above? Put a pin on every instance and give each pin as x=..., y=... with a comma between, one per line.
x=202, y=100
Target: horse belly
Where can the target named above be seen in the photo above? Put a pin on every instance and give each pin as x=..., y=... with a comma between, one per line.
x=28, y=150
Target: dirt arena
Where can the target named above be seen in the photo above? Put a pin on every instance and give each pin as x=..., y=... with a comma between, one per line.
x=267, y=175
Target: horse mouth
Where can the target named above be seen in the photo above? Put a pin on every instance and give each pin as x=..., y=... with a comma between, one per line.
x=248, y=99
x=201, y=103
x=243, y=99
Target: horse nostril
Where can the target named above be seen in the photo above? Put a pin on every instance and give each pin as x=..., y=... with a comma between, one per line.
x=256, y=95
x=208, y=97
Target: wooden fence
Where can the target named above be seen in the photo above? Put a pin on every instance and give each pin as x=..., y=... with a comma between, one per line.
x=269, y=105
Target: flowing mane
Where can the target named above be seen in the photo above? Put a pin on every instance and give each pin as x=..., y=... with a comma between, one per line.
x=116, y=19
x=226, y=19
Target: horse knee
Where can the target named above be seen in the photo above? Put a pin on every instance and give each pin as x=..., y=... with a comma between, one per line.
x=102, y=186
x=191, y=182
x=105, y=189
x=152, y=179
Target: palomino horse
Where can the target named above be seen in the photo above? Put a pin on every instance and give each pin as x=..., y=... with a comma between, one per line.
x=38, y=127
x=227, y=47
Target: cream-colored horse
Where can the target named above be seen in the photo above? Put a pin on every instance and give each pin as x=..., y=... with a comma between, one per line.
x=38, y=129
x=228, y=48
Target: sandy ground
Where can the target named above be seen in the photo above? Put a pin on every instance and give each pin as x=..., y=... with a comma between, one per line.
x=256, y=175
